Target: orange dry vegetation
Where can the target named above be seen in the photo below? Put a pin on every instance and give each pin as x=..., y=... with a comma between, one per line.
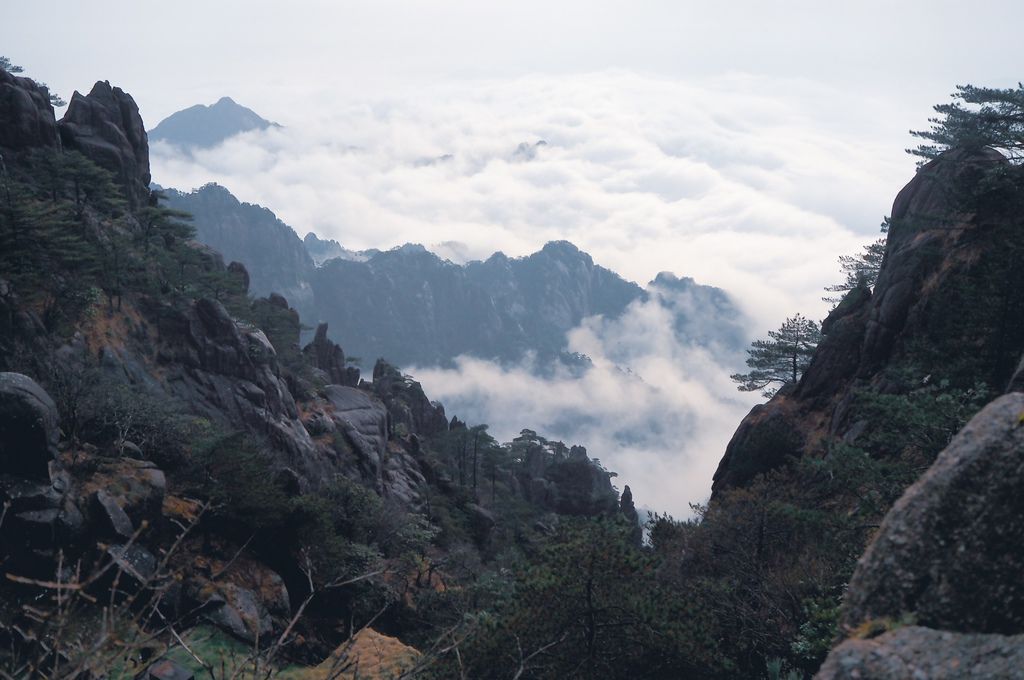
x=367, y=656
x=111, y=327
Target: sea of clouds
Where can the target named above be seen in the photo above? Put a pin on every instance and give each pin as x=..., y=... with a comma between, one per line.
x=750, y=184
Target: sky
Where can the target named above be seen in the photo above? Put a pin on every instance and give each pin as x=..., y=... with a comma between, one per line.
x=746, y=144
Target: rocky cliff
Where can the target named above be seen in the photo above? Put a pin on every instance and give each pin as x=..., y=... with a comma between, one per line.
x=105, y=126
x=946, y=313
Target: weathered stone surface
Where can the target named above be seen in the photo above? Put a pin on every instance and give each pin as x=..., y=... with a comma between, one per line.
x=766, y=438
x=328, y=356
x=916, y=653
x=943, y=265
x=113, y=517
x=134, y=560
x=29, y=427
x=166, y=669
x=229, y=372
x=951, y=550
x=245, y=598
x=26, y=115
x=364, y=421
x=106, y=127
x=406, y=402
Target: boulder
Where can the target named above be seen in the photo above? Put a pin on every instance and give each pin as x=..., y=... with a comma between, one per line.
x=26, y=115
x=917, y=653
x=244, y=597
x=29, y=427
x=166, y=669
x=105, y=126
x=113, y=519
x=951, y=551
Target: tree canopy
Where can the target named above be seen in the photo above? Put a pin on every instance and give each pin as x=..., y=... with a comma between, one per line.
x=978, y=117
x=861, y=270
x=782, y=358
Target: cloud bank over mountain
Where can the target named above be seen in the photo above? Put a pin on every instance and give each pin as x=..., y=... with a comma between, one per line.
x=653, y=408
x=753, y=185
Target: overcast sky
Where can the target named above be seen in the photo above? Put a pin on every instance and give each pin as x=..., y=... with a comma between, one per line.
x=746, y=144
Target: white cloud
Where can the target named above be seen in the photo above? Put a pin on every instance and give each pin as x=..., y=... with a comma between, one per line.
x=752, y=184
x=755, y=185
x=657, y=410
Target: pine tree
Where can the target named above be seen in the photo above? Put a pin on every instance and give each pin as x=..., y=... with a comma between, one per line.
x=782, y=358
x=6, y=65
x=861, y=270
x=978, y=117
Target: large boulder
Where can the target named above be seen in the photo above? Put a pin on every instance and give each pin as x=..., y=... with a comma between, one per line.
x=26, y=116
x=951, y=550
x=29, y=427
x=105, y=126
x=914, y=653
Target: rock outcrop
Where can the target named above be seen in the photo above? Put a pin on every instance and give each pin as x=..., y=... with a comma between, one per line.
x=947, y=282
x=948, y=557
x=951, y=551
x=26, y=116
x=328, y=356
x=29, y=427
x=914, y=652
x=410, y=410
x=105, y=126
x=229, y=372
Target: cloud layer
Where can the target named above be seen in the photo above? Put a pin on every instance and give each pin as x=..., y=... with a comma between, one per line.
x=656, y=410
x=755, y=185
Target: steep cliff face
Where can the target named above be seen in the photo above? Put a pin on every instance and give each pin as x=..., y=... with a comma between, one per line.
x=946, y=310
x=106, y=127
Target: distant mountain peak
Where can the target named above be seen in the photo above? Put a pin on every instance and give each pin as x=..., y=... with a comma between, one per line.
x=202, y=126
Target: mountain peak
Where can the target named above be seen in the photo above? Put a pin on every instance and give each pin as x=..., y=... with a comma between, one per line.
x=202, y=126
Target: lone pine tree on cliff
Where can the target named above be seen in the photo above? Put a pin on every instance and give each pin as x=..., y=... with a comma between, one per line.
x=782, y=358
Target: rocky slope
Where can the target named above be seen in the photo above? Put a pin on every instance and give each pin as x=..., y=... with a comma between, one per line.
x=947, y=559
x=179, y=403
